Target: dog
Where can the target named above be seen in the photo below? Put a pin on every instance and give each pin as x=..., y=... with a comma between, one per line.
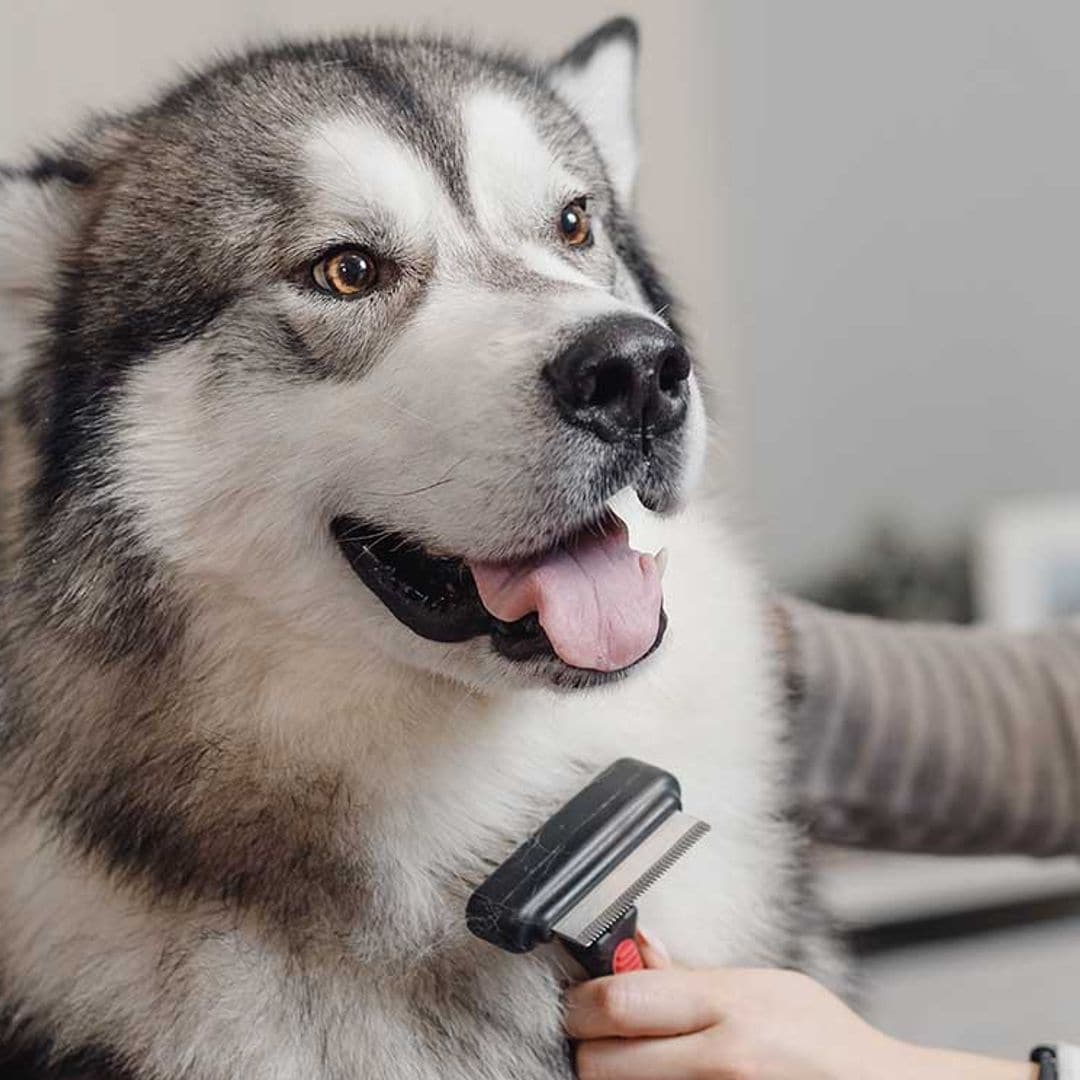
x=349, y=458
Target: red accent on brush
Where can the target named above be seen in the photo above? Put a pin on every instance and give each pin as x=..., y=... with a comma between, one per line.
x=627, y=957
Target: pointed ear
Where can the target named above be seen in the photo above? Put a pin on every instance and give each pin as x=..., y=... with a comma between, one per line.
x=40, y=209
x=36, y=213
x=597, y=78
x=43, y=206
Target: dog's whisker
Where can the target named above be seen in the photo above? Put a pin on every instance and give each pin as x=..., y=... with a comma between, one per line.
x=387, y=400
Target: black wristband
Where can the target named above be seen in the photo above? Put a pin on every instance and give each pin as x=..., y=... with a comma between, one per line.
x=1046, y=1058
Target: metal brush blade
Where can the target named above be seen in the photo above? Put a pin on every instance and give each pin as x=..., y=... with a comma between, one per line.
x=601, y=908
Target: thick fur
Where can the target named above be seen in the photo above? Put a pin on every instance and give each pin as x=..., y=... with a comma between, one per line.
x=241, y=806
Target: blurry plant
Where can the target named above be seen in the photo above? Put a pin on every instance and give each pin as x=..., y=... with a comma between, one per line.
x=892, y=576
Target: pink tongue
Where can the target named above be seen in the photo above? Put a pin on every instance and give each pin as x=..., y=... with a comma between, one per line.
x=598, y=600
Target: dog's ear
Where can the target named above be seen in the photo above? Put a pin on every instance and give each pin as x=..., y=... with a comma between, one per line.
x=44, y=208
x=34, y=211
x=598, y=79
x=41, y=207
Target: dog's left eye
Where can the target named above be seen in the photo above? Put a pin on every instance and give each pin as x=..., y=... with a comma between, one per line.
x=575, y=226
x=347, y=272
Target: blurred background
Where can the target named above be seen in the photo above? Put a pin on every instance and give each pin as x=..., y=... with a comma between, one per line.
x=870, y=211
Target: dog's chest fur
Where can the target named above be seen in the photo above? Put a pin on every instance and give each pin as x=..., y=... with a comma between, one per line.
x=399, y=989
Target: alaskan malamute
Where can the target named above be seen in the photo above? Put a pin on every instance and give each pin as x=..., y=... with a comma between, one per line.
x=343, y=416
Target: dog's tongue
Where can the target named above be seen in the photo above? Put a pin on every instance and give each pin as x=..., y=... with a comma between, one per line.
x=598, y=600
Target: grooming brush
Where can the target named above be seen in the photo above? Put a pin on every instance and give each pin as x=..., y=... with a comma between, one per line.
x=579, y=876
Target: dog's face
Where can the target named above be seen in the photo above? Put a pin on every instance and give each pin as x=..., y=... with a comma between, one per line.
x=359, y=334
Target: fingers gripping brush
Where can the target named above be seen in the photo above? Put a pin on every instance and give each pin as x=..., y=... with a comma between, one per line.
x=578, y=878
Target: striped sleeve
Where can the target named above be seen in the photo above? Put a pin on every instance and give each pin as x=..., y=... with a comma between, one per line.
x=937, y=738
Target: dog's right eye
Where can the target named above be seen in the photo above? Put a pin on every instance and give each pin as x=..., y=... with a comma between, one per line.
x=348, y=272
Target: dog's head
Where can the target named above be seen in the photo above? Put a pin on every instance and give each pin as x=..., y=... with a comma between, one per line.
x=360, y=334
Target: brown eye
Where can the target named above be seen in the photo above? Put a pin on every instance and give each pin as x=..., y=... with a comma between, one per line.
x=347, y=272
x=574, y=224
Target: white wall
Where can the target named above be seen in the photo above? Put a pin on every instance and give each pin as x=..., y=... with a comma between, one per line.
x=905, y=208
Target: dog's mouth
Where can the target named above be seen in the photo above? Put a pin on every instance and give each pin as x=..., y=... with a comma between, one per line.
x=591, y=601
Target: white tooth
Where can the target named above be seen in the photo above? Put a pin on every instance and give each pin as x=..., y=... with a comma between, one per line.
x=661, y=561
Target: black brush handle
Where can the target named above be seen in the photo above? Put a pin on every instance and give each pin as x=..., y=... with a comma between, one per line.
x=613, y=953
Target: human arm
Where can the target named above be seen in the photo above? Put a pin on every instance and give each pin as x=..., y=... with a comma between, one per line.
x=935, y=738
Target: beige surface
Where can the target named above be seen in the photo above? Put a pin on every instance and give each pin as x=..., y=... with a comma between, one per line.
x=997, y=993
x=871, y=888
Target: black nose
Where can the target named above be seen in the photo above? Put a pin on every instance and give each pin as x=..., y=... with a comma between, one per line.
x=623, y=378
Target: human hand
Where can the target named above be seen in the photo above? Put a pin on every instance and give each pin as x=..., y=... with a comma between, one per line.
x=743, y=1024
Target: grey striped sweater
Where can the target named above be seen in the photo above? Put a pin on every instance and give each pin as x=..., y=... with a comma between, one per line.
x=936, y=738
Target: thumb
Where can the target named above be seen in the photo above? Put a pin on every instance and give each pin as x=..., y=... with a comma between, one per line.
x=652, y=950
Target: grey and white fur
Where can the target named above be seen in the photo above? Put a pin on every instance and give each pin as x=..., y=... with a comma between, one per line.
x=241, y=804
